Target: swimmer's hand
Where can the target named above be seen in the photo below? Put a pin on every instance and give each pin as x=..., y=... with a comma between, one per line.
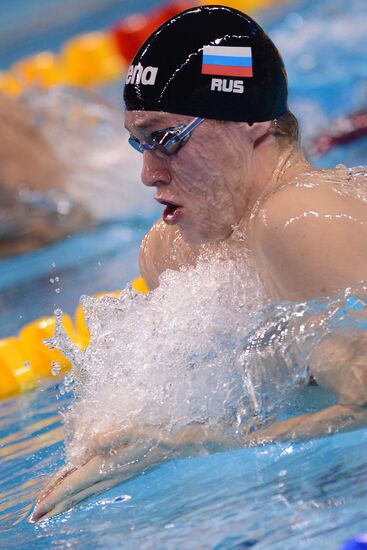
x=118, y=455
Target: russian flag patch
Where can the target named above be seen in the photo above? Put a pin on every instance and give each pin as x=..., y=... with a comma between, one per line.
x=227, y=61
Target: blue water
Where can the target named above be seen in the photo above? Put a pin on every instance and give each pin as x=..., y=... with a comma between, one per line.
x=105, y=259
x=307, y=495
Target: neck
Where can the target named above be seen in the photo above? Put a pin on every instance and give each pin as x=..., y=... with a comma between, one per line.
x=274, y=166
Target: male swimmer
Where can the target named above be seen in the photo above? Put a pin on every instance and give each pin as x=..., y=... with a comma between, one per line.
x=206, y=104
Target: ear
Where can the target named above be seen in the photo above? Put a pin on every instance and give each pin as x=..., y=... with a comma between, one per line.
x=258, y=130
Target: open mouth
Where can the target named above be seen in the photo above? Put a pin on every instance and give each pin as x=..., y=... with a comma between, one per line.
x=171, y=212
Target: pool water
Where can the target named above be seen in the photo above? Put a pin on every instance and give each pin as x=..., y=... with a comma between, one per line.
x=304, y=495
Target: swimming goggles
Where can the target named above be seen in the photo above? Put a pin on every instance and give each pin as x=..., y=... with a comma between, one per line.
x=167, y=141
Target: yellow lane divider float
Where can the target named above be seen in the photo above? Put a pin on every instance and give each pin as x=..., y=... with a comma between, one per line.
x=97, y=58
x=26, y=359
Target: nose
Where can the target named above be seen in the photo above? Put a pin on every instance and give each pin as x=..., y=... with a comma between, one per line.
x=154, y=171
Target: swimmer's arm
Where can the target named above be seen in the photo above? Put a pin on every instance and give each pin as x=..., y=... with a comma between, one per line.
x=147, y=258
x=338, y=364
x=311, y=242
x=118, y=455
x=337, y=418
x=163, y=248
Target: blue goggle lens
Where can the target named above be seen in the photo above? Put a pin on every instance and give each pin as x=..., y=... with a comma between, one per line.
x=136, y=144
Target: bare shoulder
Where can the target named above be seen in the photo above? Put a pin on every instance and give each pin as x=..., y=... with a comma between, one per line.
x=162, y=248
x=153, y=251
x=311, y=239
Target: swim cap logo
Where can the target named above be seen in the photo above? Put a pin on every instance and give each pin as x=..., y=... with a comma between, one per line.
x=137, y=74
x=224, y=85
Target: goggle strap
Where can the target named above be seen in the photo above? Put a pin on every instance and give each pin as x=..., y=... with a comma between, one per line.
x=186, y=131
x=190, y=127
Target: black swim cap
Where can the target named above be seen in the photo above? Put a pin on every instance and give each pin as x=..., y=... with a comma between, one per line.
x=209, y=61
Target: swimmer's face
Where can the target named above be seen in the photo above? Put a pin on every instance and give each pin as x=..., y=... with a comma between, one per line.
x=205, y=185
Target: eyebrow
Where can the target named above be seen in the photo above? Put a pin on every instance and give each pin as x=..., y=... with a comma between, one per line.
x=147, y=122
x=150, y=121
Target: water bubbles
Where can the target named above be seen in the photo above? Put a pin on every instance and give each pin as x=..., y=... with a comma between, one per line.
x=49, y=343
x=119, y=500
x=68, y=380
x=56, y=368
x=166, y=359
x=67, y=385
x=201, y=348
x=55, y=280
x=287, y=451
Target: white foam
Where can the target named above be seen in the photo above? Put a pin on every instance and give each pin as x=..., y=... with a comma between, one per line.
x=201, y=348
x=168, y=358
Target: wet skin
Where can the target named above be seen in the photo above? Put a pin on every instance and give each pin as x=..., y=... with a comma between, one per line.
x=307, y=234
x=209, y=197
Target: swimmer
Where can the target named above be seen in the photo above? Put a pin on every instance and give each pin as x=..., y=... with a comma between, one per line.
x=34, y=208
x=206, y=105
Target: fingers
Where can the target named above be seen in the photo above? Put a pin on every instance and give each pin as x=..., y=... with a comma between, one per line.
x=127, y=472
x=67, y=483
x=68, y=503
x=72, y=485
x=56, y=480
x=117, y=459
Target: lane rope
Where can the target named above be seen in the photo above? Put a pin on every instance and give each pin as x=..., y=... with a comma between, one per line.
x=25, y=359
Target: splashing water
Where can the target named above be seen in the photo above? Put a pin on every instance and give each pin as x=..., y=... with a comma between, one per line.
x=167, y=358
x=203, y=347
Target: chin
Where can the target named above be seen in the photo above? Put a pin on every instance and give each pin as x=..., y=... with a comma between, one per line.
x=197, y=238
